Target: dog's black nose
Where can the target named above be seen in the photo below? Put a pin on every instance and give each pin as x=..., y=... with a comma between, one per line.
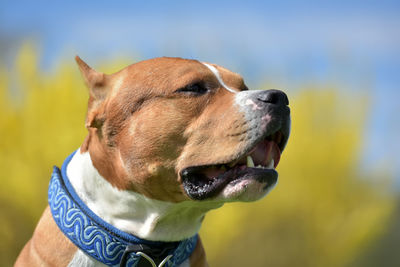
x=273, y=96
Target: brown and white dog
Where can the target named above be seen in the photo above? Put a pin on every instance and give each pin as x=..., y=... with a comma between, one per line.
x=169, y=139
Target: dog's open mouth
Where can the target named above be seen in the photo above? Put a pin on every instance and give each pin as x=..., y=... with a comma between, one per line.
x=202, y=182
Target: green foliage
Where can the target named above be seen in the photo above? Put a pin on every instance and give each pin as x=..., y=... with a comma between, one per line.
x=322, y=212
x=40, y=124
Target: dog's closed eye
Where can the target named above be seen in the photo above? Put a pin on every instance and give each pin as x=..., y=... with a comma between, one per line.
x=197, y=88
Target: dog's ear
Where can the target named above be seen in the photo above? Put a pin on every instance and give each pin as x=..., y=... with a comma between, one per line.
x=97, y=85
x=95, y=81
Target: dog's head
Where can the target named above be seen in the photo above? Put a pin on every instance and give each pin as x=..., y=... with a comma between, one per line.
x=174, y=129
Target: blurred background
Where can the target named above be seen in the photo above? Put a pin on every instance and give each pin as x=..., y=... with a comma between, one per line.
x=337, y=202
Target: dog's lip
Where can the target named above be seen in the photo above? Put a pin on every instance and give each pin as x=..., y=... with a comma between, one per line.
x=206, y=181
x=199, y=187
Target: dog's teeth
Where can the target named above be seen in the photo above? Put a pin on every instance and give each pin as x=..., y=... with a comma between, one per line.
x=250, y=162
x=271, y=164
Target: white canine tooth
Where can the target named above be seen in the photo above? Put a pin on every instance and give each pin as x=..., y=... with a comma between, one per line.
x=271, y=164
x=250, y=162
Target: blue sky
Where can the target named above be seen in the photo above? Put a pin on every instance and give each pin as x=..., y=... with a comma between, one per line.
x=355, y=44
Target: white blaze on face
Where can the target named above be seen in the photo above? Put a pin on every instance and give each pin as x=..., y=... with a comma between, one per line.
x=216, y=73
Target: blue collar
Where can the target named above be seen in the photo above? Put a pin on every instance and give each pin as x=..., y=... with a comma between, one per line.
x=101, y=240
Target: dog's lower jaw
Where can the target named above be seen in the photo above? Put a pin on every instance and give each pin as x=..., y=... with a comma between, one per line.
x=132, y=212
x=246, y=191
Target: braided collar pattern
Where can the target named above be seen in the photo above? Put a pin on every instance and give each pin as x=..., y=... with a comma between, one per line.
x=101, y=240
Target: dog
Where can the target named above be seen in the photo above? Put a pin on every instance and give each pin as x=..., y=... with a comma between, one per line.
x=168, y=140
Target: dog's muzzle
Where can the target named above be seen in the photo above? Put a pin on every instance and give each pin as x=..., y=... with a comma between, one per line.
x=267, y=118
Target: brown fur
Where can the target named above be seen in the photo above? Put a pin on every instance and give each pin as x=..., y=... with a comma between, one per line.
x=142, y=133
x=132, y=127
x=48, y=246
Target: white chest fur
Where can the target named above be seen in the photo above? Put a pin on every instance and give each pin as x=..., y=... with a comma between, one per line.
x=132, y=212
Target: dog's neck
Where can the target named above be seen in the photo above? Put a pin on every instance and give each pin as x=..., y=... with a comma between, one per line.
x=132, y=212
